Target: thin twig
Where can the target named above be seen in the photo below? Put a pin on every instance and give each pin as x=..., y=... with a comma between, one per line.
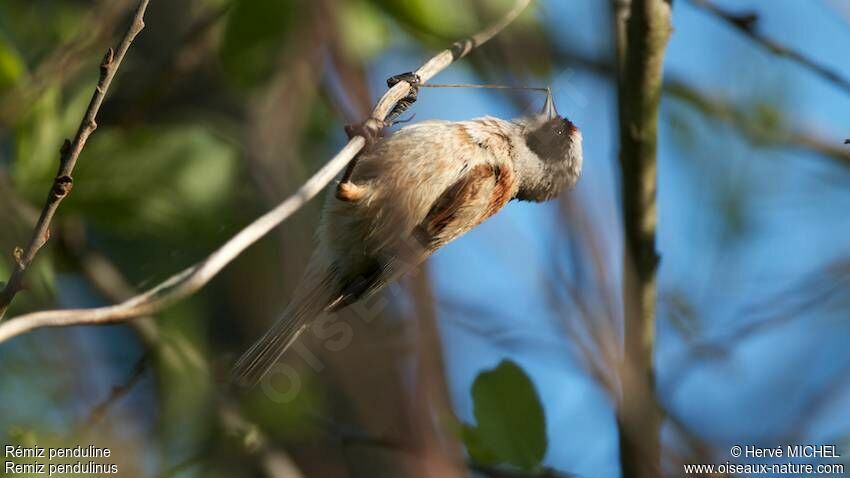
x=746, y=24
x=118, y=392
x=190, y=280
x=69, y=153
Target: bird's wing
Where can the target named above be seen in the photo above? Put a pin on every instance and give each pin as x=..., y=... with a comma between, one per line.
x=477, y=195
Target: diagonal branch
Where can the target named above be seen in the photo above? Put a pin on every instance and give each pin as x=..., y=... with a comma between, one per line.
x=746, y=24
x=69, y=153
x=190, y=280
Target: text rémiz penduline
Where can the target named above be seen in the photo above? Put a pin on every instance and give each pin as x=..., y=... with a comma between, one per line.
x=50, y=453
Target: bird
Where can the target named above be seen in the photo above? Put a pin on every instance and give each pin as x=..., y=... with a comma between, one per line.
x=407, y=195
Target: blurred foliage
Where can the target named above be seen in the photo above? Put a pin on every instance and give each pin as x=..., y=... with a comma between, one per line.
x=427, y=21
x=363, y=28
x=37, y=27
x=427, y=17
x=41, y=284
x=760, y=117
x=171, y=183
x=510, y=423
x=155, y=180
x=287, y=405
x=252, y=38
x=22, y=436
x=11, y=66
x=39, y=135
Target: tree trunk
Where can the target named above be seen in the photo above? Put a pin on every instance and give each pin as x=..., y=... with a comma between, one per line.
x=643, y=28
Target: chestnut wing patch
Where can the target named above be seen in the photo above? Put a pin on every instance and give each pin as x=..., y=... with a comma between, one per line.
x=468, y=202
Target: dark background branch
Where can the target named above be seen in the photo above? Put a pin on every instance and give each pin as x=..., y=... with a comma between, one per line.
x=747, y=24
x=643, y=28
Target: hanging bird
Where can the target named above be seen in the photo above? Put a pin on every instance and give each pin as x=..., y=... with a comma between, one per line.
x=407, y=195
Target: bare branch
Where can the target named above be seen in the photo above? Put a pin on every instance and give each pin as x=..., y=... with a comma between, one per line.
x=190, y=280
x=643, y=28
x=746, y=24
x=69, y=153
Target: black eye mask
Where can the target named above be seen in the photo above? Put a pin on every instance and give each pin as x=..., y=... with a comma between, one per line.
x=551, y=139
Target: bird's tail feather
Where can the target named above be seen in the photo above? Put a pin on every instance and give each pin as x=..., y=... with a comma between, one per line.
x=309, y=301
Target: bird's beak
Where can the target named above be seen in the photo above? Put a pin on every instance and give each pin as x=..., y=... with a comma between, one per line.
x=549, y=108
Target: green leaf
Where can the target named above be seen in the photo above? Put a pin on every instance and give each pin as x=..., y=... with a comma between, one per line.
x=253, y=38
x=286, y=403
x=478, y=450
x=511, y=426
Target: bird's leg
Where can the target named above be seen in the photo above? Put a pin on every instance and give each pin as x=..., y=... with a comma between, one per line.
x=370, y=130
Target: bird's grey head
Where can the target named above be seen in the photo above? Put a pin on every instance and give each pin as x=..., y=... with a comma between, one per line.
x=554, y=157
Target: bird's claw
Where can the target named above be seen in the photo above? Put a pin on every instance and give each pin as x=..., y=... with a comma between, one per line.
x=370, y=130
x=405, y=103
